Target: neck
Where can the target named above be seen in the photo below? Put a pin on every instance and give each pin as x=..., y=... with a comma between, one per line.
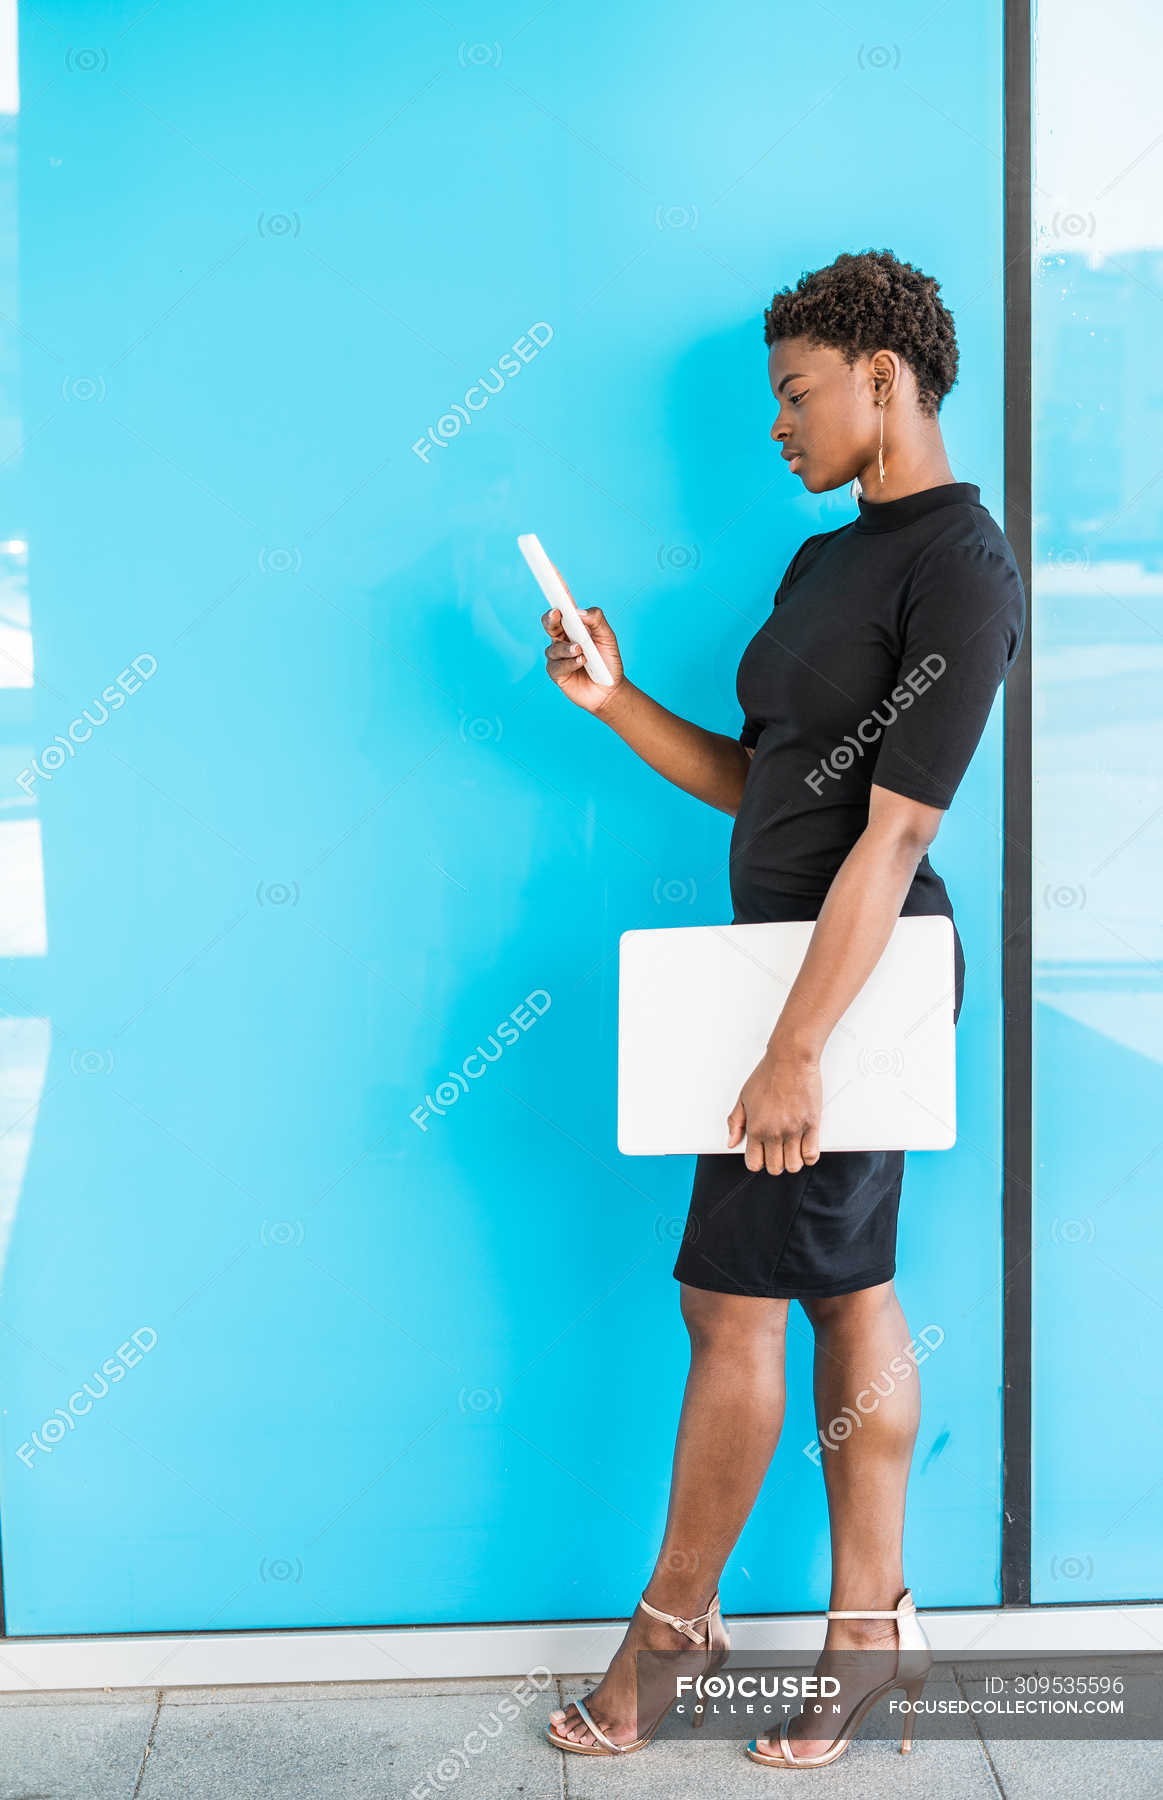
x=907, y=470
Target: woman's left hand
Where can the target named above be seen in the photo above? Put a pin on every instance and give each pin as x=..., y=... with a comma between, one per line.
x=779, y=1109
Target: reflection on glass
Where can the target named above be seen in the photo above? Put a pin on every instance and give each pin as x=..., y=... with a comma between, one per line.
x=24, y=1042
x=22, y=920
x=24, y=1051
x=1097, y=643
x=15, y=629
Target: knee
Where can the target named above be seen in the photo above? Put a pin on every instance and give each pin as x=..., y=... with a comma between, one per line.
x=731, y=1322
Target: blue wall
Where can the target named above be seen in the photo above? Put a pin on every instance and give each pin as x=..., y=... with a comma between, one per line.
x=423, y=1371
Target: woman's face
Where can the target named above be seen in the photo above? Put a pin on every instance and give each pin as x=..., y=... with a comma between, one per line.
x=827, y=413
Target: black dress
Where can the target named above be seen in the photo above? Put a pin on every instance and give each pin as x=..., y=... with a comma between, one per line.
x=885, y=648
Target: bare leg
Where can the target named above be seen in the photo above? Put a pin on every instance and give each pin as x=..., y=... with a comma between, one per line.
x=732, y=1413
x=866, y=1473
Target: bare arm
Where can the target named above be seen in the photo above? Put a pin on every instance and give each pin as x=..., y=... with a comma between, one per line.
x=779, y=1105
x=704, y=763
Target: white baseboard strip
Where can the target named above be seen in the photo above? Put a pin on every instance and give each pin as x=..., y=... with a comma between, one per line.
x=456, y=1652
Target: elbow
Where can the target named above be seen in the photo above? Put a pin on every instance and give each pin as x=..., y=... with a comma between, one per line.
x=904, y=828
x=908, y=844
x=903, y=844
x=738, y=781
x=730, y=804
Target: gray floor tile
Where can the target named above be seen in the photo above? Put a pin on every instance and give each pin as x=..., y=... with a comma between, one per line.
x=1077, y=1770
x=66, y=1751
x=355, y=1749
x=79, y=1697
x=688, y=1769
x=370, y=1741
x=455, y=1686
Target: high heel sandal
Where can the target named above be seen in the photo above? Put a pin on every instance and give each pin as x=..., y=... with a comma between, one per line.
x=914, y=1659
x=716, y=1656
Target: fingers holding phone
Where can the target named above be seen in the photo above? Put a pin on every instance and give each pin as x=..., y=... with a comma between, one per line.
x=565, y=661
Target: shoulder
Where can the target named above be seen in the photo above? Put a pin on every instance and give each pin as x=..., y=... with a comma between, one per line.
x=970, y=569
x=808, y=551
x=964, y=597
x=819, y=538
x=969, y=537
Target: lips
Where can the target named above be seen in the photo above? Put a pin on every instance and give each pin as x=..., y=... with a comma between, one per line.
x=791, y=457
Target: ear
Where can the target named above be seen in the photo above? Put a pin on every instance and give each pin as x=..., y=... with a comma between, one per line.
x=886, y=375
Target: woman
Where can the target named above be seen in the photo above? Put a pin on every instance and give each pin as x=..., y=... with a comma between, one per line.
x=864, y=695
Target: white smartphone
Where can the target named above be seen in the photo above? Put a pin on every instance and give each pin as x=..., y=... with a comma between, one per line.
x=553, y=587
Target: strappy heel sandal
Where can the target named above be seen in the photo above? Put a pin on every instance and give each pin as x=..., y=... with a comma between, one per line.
x=914, y=1657
x=716, y=1656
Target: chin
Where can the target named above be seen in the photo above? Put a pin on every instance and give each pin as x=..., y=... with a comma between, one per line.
x=824, y=482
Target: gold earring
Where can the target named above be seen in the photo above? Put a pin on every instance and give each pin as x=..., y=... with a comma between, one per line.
x=880, y=452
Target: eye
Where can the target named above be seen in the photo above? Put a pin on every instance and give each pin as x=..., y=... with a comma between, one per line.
x=796, y=398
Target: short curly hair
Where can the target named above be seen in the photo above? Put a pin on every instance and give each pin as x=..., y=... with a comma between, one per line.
x=868, y=302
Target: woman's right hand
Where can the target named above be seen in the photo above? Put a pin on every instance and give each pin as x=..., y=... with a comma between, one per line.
x=565, y=662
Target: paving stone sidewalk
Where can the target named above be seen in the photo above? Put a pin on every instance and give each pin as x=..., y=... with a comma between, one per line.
x=406, y=1741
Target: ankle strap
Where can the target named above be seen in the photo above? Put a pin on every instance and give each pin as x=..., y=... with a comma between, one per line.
x=904, y=1604
x=684, y=1625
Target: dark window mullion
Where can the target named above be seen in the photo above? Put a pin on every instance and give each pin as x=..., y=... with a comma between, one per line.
x=1017, y=884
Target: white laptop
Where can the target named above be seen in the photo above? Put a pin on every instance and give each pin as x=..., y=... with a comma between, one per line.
x=696, y=1006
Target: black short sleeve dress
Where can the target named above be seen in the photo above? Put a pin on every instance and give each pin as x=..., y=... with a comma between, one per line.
x=880, y=662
